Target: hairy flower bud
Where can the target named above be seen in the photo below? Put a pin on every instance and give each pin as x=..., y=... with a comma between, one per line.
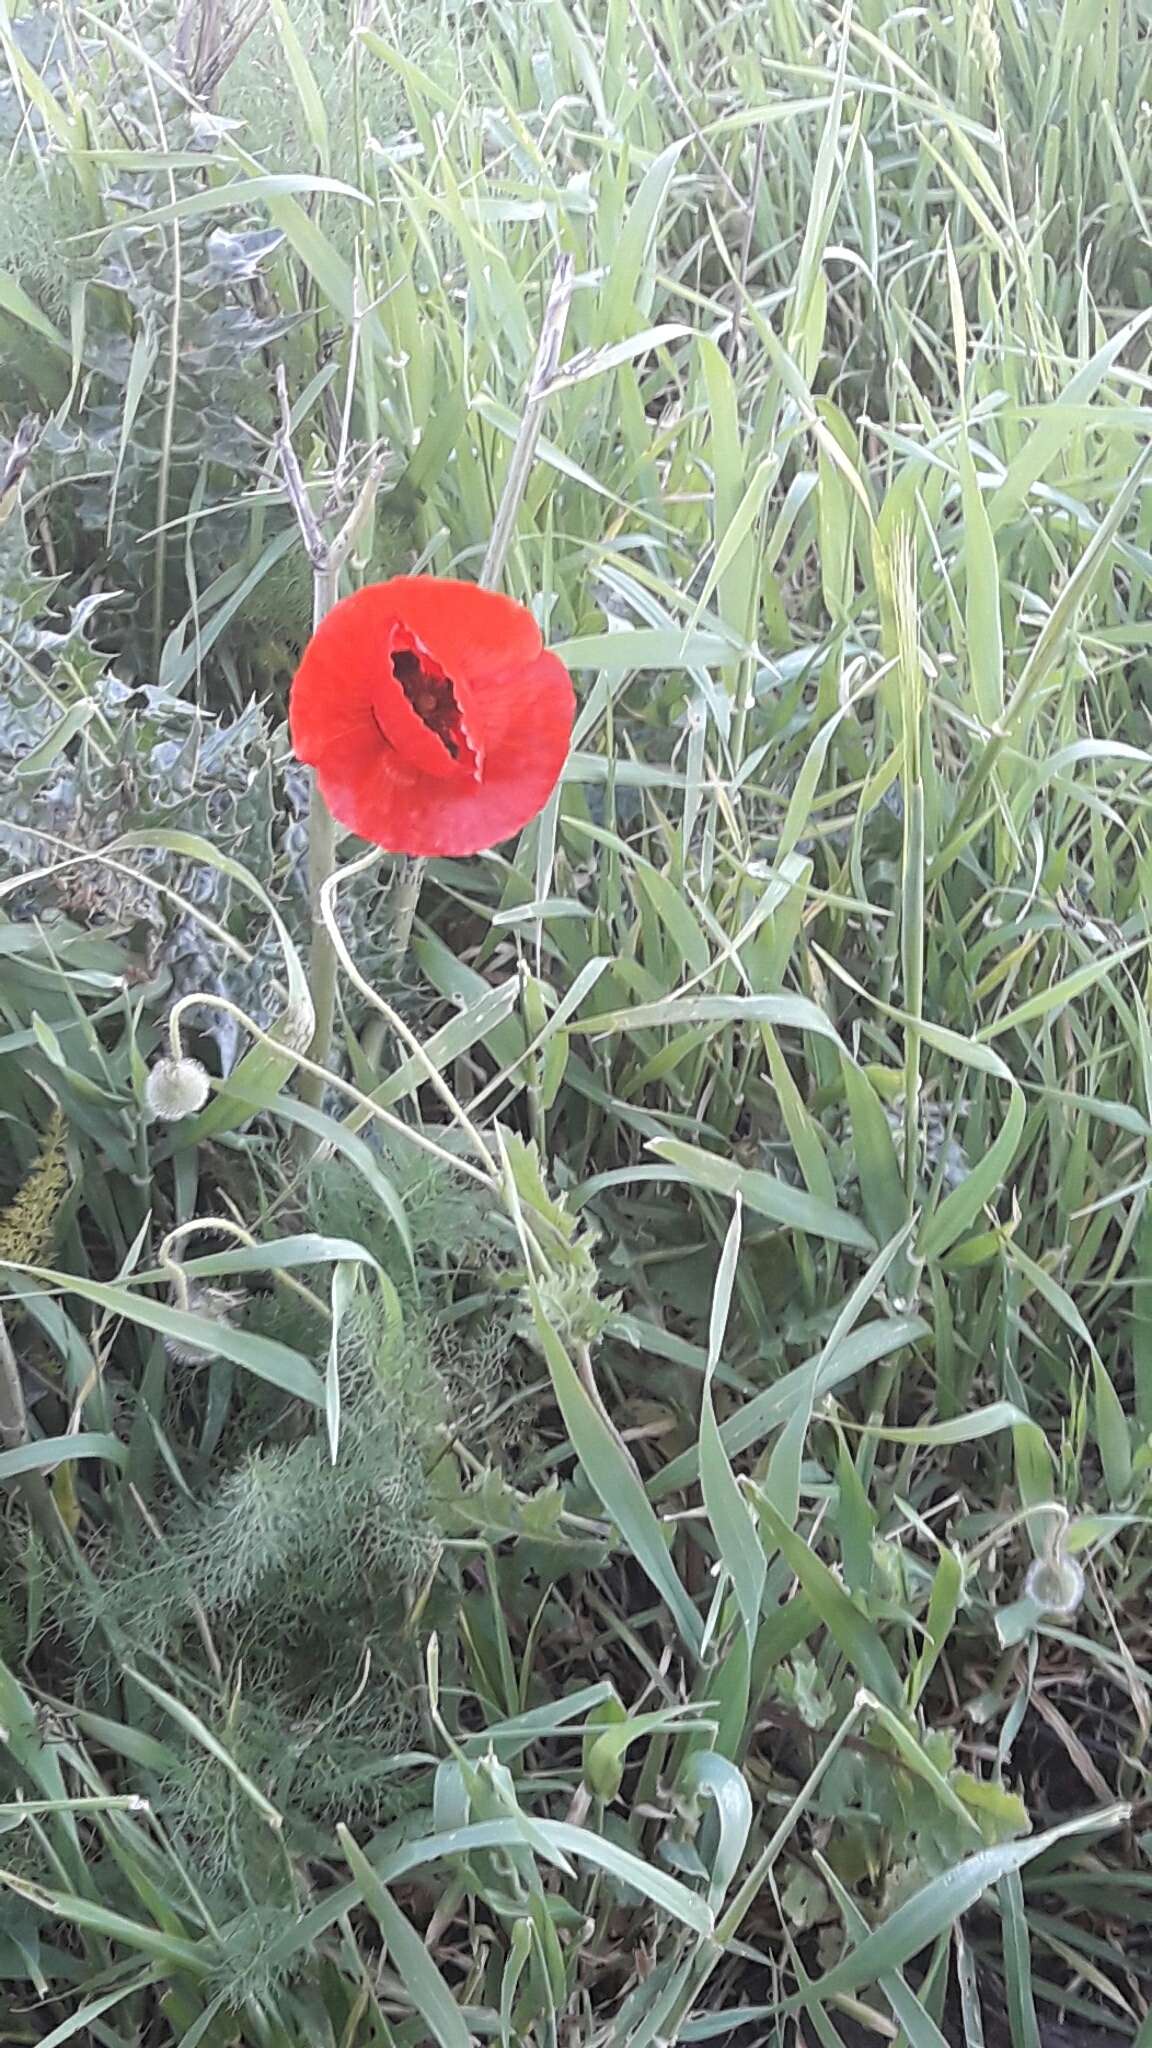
x=175, y=1089
x=1056, y=1584
x=215, y=1305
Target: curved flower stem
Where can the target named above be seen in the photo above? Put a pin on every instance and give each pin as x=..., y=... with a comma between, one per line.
x=392, y=1018
x=321, y=862
x=327, y=559
x=587, y=1374
x=405, y=900
x=321, y=956
x=411, y=1133
x=223, y=1226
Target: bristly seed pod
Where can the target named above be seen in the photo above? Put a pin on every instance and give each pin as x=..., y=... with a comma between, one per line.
x=215, y=1304
x=1056, y=1584
x=176, y=1088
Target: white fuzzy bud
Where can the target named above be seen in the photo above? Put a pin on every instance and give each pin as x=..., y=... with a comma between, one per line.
x=1056, y=1584
x=175, y=1089
x=215, y=1304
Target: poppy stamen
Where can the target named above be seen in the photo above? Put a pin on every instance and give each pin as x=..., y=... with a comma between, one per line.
x=432, y=698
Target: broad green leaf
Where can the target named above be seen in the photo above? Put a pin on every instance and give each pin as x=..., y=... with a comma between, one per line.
x=628, y=289
x=50, y=1451
x=665, y=1892
x=25, y=81
x=938, y=1906
x=837, y=508
x=1018, y=1979
x=1112, y=1435
x=15, y=300
x=796, y=817
x=307, y=91
x=1060, y=992
x=76, y=719
x=733, y=1525
x=82, y=2020
x=595, y=362
x=920, y=2030
x=675, y=914
x=943, y=1606
x=239, y=192
x=828, y=175
x=1058, y=423
x=782, y=1012
x=475, y=1023
x=417, y=81
x=881, y=1182
x=171, y=1949
x=960, y=1429
x=504, y=1035
x=647, y=647
x=145, y=347
x=708, y=1776
x=767, y=1410
x=192, y=640
x=762, y=1192
x=31, y=1752
x=345, y=1279
x=407, y=1953
x=279, y=1255
x=614, y=1479
x=1082, y=578
x=133, y=1743
x=782, y=1480
x=358, y=1153
x=959, y=1210
x=264, y=1356
x=561, y=1839
x=984, y=633
x=605, y=1751
x=857, y=1638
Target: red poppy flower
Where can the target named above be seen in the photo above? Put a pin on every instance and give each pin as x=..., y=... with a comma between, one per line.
x=435, y=719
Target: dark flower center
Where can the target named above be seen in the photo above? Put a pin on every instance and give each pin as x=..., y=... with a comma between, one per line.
x=432, y=698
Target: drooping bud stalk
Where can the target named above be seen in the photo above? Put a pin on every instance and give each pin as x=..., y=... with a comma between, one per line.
x=1054, y=1582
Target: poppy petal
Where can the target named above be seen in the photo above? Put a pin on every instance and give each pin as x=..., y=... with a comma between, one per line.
x=381, y=799
x=467, y=629
x=334, y=686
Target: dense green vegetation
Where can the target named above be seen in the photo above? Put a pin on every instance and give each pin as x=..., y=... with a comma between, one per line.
x=627, y=1522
